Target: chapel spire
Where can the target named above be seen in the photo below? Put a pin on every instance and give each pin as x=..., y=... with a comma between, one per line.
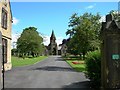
x=52, y=36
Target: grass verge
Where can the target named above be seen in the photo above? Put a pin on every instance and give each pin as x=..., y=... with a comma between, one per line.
x=16, y=61
x=78, y=67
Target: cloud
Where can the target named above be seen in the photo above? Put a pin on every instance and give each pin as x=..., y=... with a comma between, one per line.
x=59, y=40
x=15, y=21
x=102, y=19
x=46, y=40
x=90, y=6
x=15, y=36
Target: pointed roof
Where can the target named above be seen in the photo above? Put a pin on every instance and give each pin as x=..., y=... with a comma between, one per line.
x=113, y=24
x=52, y=35
x=110, y=25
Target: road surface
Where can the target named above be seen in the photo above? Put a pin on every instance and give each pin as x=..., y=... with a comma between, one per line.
x=53, y=72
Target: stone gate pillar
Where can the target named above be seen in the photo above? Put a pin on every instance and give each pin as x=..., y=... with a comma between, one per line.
x=1, y=78
x=110, y=63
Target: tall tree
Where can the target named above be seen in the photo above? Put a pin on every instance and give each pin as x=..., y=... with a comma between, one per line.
x=84, y=32
x=30, y=42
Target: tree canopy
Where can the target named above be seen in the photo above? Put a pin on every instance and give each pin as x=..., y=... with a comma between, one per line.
x=30, y=42
x=84, y=33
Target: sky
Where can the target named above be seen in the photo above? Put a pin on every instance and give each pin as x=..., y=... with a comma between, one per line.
x=48, y=16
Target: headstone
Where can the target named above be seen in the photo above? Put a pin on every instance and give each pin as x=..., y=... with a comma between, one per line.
x=1, y=79
x=110, y=63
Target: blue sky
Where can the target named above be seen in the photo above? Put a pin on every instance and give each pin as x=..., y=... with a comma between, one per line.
x=48, y=16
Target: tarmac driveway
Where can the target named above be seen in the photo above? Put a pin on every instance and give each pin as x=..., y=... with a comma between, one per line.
x=53, y=72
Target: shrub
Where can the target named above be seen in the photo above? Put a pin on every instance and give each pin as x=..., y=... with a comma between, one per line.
x=93, y=67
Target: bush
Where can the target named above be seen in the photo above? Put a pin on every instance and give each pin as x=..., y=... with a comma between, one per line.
x=93, y=67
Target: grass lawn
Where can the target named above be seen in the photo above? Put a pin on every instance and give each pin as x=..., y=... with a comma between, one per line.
x=78, y=67
x=16, y=61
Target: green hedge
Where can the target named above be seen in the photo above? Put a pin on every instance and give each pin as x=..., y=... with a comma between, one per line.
x=93, y=67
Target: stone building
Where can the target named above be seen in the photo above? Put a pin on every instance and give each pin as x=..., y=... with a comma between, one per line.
x=52, y=47
x=64, y=47
x=5, y=29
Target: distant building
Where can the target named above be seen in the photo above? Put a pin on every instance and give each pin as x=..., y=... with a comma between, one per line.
x=59, y=50
x=64, y=47
x=52, y=47
x=5, y=29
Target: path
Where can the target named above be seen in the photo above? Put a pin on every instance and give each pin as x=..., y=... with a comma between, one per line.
x=53, y=72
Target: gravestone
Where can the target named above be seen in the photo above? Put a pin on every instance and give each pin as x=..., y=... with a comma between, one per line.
x=110, y=63
x=1, y=79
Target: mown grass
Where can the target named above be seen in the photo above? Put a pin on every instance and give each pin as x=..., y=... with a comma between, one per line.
x=16, y=61
x=78, y=67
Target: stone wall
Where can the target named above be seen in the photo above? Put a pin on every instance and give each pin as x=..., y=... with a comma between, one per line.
x=110, y=64
x=6, y=33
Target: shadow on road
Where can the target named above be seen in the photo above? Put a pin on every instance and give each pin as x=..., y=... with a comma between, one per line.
x=59, y=59
x=84, y=85
x=54, y=68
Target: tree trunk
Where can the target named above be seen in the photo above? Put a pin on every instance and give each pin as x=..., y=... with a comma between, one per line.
x=83, y=55
x=32, y=54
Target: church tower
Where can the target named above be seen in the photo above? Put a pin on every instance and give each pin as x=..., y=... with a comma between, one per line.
x=53, y=50
x=52, y=38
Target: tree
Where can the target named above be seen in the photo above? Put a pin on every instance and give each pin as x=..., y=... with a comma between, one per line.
x=30, y=42
x=84, y=32
x=14, y=52
x=74, y=21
